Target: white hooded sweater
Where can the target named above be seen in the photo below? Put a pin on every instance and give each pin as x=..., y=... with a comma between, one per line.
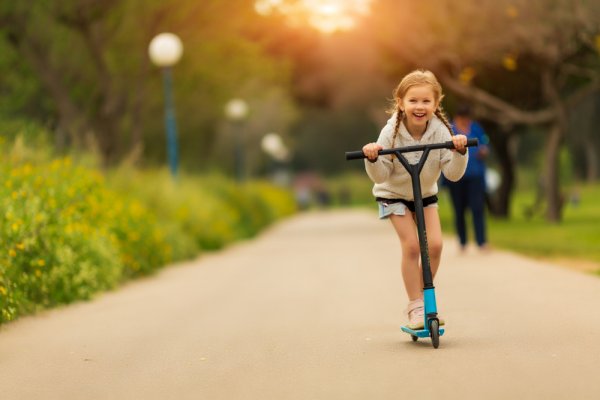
x=391, y=179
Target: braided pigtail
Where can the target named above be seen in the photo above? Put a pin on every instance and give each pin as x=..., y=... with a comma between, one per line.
x=399, y=117
x=439, y=112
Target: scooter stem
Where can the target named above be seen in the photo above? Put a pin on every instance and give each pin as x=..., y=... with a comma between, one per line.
x=415, y=170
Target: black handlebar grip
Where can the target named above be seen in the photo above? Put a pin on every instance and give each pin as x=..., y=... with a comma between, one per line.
x=355, y=155
x=472, y=142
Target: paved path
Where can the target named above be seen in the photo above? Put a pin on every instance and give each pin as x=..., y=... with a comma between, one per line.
x=311, y=310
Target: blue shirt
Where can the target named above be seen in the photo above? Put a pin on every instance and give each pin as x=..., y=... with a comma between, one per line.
x=476, y=165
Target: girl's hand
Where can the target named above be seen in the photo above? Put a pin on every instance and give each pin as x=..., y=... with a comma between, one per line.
x=460, y=143
x=371, y=151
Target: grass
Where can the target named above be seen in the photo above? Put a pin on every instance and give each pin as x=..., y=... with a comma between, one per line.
x=576, y=239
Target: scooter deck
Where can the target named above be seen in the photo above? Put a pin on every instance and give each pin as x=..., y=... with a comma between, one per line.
x=420, y=332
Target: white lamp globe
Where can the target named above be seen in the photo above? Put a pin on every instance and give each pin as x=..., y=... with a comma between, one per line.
x=165, y=49
x=273, y=146
x=236, y=109
x=271, y=143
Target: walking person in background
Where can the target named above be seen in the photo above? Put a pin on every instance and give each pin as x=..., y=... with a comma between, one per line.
x=417, y=118
x=469, y=191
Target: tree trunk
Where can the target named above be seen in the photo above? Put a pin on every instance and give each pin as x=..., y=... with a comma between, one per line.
x=73, y=123
x=507, y=170
x=591, y=161
x=551, y=176
x=111, y=102
x=557, y=131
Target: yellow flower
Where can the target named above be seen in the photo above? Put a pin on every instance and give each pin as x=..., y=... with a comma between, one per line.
x=41, y=262
x=12, y=253
x=38, y=273
x=3, y=290
x=55, y=165
x=14, y=195
x=467, y=75
x=509, y=62
x=20, y=246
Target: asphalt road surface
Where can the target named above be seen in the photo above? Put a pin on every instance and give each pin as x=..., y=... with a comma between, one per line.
x=312, y=309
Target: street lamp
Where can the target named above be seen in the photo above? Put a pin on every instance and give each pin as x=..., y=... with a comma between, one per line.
x=236, y=111
x=165, y=51
x=272, y=144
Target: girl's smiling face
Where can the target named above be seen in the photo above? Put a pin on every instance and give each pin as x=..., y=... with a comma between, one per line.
x=418, y=105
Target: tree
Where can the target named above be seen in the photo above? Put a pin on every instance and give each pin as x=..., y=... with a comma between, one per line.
x=89, y=62
x=521, y=62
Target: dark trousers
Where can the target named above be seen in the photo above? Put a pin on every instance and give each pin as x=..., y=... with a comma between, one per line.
x=469, y=193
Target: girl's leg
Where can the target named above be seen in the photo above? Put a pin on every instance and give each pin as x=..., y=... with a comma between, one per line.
x=434, y=238
x=411, y=273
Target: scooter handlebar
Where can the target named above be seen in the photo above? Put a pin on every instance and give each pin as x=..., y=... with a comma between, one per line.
x=357, y=155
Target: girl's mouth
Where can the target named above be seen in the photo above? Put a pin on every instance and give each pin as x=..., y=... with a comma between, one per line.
x=419, y=115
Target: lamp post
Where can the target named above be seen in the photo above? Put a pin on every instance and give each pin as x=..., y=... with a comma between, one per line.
x=236, y=111
x=165, y=51
x=272, y=144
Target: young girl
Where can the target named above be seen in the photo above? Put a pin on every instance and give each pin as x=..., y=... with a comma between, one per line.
x=417, y=118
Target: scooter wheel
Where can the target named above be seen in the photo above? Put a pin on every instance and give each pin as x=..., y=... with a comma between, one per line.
x=434, y=332
x=414, y=338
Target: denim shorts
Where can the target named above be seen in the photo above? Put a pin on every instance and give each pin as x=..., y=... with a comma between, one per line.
x=387, y=209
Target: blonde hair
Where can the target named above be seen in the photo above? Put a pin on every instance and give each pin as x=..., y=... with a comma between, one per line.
x=418, y=77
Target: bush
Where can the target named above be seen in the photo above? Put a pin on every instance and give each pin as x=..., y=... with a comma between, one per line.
x=213, y=210
x=56, y=247
x=67, y=232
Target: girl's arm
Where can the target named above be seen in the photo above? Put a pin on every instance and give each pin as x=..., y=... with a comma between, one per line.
x=380, y=169
x=453, y=163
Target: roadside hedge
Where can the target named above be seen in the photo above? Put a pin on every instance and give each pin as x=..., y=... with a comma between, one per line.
x=68, y=232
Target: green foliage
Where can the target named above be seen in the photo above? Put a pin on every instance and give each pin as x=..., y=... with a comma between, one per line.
x=56, y=244
x=90, y=73
x=210, y=209
x=67, y=232
x=351, y=188
x=575, y=237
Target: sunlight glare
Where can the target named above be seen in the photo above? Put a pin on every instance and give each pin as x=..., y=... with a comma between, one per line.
x=327, y=16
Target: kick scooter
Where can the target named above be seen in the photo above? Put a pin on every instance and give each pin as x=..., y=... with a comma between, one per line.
x=432, y=323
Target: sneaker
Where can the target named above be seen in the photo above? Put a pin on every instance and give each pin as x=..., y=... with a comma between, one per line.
x=416, y=315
